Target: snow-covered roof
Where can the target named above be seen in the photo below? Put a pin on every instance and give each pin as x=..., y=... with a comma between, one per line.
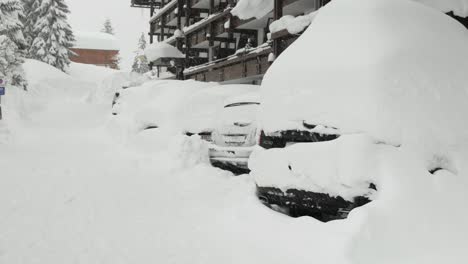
x=95, y=40
x=159, y=50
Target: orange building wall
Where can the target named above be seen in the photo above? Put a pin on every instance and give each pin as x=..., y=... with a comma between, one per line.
x=96, y=57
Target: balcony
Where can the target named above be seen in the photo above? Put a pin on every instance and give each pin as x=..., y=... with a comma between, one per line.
x=145, y=3
x=169, y=7
x=248, y=65
x=198, y=33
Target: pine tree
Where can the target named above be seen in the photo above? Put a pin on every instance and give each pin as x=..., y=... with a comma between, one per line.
x=116, y=61
x=29, y=19
x=140, y=63
x=108, y=27
x=54, y=36
x=12, y=43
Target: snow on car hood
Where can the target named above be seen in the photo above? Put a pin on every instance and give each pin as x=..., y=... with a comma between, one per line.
x=332, y=167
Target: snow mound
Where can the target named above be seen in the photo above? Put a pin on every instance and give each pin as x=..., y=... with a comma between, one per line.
x=89, y=72
x=49, y=88
x=246, y=9
x=95, y=40
x=37, y=71
x=395, y=81
x=188, y=152
x=112, y=83
x=162, y=50
x=394, y=71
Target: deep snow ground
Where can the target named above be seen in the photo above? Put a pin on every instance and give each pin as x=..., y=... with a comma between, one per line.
x=72, y=193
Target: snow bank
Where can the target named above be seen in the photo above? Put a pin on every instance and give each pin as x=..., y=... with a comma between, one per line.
x=394, y=71
x=294, y=25
x=95, y=40
x=246, y=9
x=162, y=50
x=48, y=86
x=104, y=92
x=89, y=72
x=37, y=71
x=458, y=7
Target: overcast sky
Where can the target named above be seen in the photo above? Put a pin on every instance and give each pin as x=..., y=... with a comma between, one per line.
x=128, y=22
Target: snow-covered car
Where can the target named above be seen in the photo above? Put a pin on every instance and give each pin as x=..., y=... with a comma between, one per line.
x=200, y=116
x=324, y=179
x=157, y=104
x=236, y=133
x=379, y=98
x=178, y=107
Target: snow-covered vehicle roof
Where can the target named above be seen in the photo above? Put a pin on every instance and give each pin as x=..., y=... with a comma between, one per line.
x=202, y=110
x=373, y=73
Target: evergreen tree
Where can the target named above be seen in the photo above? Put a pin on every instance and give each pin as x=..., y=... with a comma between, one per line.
x=53, y=35
x=116, y=61
x=108, y=27
x=140, y=63
x=12, y=43
x=29, y=19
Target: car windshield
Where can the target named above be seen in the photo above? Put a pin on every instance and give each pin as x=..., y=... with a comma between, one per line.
x=241, y=104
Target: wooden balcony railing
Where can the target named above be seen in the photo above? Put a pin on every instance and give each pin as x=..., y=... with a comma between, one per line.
x=232, y=68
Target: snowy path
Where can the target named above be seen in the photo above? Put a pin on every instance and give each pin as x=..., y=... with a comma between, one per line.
x=68, y=194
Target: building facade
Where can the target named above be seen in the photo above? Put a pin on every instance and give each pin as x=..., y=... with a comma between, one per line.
x=95, y=48
x=218, y=45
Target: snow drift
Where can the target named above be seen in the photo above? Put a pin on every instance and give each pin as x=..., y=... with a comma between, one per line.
x=395, y=71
